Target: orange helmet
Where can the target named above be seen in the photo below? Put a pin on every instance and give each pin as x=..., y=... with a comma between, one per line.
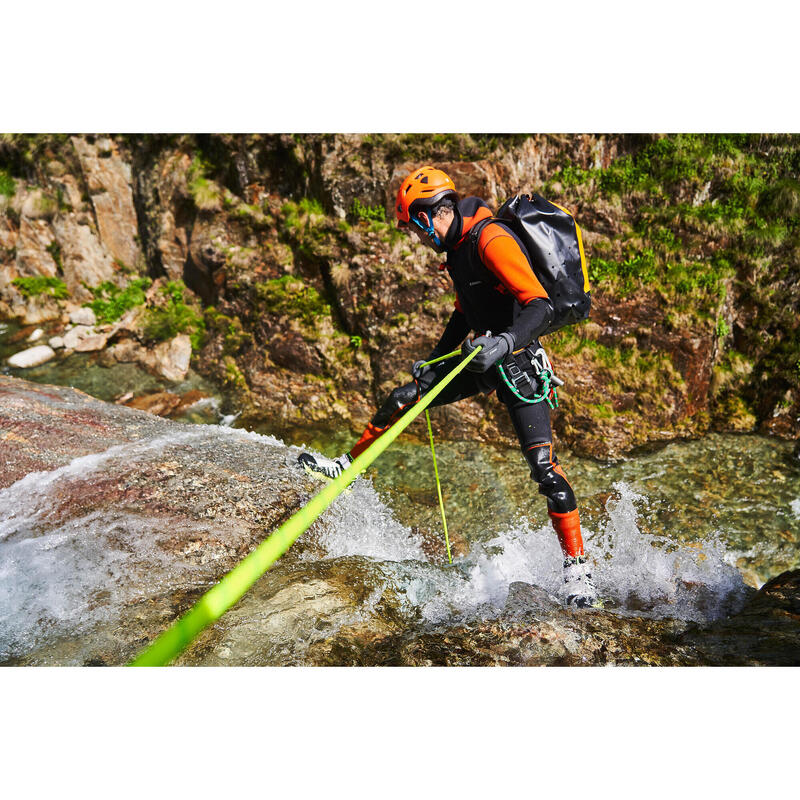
x=423, y=188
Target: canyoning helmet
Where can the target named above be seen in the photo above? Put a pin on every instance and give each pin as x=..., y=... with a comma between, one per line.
x=421, y=191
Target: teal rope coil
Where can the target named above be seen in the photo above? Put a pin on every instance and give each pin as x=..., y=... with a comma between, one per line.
x=537, y=398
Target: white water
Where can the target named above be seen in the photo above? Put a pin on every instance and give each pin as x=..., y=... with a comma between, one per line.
x=632, y=570
x=64, y=579
x=25, y=502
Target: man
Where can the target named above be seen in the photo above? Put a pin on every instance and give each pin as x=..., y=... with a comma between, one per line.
x=496, y=291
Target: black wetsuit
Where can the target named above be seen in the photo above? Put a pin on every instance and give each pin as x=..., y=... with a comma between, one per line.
x=497, y=291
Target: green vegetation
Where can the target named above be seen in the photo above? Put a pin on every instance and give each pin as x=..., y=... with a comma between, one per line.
x=162, y=322
x=289, y=295
x=723, y=329
x=25, y=154
x=364, y=213
x=303, y=215
x=234, y=335
x=234, y=377
x=111, y=302
x=205, y=193
x=431, y=147
x=680, y=198
x=636, y=270
x=55, y=253
x=8, y=186
x=32, y=287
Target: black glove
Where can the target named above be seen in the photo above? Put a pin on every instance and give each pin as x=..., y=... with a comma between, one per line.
x=494, y=349
x=419, y=369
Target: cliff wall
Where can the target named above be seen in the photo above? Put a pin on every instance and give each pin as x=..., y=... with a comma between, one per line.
x=275, y=255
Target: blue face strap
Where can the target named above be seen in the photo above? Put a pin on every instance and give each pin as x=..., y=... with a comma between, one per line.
x=430, y=230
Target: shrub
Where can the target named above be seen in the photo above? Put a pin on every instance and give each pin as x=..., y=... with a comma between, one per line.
x=111, y=302
x=31, y=287
x=289, y=295
x=365, y=213
x=638, y=268
x=174, y=317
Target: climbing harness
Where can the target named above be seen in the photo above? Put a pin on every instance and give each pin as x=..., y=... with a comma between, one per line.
x=522, y=385
x=232, y=586
x=438, y=487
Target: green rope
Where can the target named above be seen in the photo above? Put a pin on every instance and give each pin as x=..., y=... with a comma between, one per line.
x=217, y=600
x=438, y=487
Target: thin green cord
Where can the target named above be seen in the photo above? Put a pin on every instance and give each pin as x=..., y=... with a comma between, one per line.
x=442, y=358
x=232, y=586
x=438, y=487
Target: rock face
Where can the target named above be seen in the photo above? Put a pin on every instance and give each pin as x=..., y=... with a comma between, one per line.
x=114, y=521
x=108, y=178
x=316, y=306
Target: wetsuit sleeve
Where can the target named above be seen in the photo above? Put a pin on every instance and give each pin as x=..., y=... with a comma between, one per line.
x=500, y=252
x=532, y=321
x=455, y=332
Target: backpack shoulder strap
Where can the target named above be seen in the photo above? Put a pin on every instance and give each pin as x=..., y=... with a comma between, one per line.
x=477, y=228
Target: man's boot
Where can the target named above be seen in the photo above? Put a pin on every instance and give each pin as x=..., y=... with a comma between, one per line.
x=329, y=467
x=578, y=583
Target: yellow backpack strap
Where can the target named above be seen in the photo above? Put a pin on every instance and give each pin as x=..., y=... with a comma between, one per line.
x=584, y=268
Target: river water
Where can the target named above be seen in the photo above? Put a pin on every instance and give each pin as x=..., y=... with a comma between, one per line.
x=678, y=532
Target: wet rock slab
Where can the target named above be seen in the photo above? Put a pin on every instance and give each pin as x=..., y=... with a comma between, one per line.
x=113, y=522
x=536, y=630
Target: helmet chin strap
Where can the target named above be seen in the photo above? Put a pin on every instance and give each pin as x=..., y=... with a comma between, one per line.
x=429, y=230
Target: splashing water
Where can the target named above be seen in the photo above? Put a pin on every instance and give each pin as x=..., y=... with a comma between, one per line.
x=654, y=575
x=61, y=579
x=360, y=524
x=635, y=572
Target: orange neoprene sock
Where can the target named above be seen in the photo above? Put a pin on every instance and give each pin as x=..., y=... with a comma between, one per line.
x=568, y=528
x=371, y=433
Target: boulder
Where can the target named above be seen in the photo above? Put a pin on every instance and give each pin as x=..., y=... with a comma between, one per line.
x=75, y=335
x=171, y=359
x=160, y=403
x=83, y=316
x=32, y=357
x=168, y=359
x=90, y=343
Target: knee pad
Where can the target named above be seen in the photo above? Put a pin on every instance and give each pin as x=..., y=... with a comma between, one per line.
x=401, y=398
x=553, y=484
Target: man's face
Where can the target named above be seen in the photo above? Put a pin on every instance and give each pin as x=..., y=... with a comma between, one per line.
x=414, y=230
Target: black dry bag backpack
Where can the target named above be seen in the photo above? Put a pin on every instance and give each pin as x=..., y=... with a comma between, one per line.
x=553, y=241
